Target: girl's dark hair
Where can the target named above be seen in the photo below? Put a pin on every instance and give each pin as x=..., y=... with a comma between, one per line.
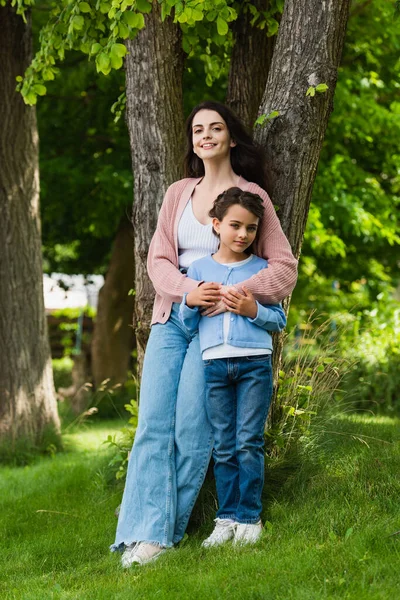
x=247, y=157
x=251, y=202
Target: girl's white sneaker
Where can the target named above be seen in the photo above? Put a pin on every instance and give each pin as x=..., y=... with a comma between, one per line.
x=224, y=531
x=141, y=553
x=247, y=533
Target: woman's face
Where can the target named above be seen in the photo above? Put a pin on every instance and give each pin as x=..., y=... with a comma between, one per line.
x=210, y=135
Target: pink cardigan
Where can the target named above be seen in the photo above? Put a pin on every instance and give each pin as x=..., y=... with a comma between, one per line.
x=270, y=285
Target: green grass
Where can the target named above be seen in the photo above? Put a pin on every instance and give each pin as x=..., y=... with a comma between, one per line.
x=328, y=515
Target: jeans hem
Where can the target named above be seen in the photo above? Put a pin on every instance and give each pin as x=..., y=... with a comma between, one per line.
x=123, y=545
x=248, y=521
x=231, y=517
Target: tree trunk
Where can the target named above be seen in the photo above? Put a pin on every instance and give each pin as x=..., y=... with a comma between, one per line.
x=113, y=338
x=154, y=68
x=27, y=397
x=250, y=63
x=307, y=53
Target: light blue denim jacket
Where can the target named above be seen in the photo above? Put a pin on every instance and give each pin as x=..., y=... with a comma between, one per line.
x=243, y=331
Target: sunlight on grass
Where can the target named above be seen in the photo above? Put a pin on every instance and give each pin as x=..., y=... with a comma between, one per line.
x=90, y=436
x=369, y=419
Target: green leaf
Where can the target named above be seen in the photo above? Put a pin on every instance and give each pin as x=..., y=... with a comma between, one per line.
x=39, y=89
x=18, y=78
x=273, y=27
x=320, y=369
x=321, y=88
x=261, y=120
x=105, y=7
x=197, y=15
x=311, y=91
x=134, y=20
x=123, y=30
x=143, y=5
x=103, y=63
x=95, y=48
x=222, y=26
x=30, y=98
x=280, y=5
x=116, y=61
x=78, y=22
x=84, y=7
x=48, y=74
x=118, y=50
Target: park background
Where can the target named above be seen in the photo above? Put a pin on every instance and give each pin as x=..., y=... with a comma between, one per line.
x=331, y=512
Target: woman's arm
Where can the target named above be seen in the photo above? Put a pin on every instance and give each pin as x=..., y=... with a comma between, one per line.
x=273, y=284
x=162, y=260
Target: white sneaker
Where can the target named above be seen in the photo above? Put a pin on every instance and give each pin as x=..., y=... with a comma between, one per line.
x=141, y=553
x=247, y=533
x=224, y=531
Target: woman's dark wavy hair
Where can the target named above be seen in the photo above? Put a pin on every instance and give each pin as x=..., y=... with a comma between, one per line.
x=234, y=195
x=247, y=157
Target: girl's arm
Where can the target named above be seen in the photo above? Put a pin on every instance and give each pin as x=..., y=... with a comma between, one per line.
x=273, y=284
x=270, y=317
x=190, y=317
x=162, y=260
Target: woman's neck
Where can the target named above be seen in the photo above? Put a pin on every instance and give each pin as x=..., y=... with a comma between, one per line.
x=219, y=175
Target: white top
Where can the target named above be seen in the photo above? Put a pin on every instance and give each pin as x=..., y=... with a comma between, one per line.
x=225, y=350
x=195, y=240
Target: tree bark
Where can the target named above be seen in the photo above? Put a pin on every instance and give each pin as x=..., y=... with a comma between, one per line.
x=27, y=396
x=250, y=63
x=154, y=69
x=113, y=337
x=307, y=53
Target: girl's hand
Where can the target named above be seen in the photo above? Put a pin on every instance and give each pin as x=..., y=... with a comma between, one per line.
x=240, y=304
x=206, y=294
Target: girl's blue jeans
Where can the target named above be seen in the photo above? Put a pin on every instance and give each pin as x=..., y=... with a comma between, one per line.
x=173, y=440
x=238, y=395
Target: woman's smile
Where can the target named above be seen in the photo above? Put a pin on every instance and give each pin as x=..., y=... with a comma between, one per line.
x=210, y=135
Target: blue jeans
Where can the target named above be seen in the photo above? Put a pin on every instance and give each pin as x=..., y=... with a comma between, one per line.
x=238, y=395
x=173, y=440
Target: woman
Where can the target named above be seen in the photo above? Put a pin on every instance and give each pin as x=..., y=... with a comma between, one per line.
x=173, y=441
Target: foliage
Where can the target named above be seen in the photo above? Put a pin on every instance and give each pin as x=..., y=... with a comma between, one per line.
x=85, y=164
x=123, y=442
x=351, y=248
x=374, y=381
x=309, y=381
x=98, y=28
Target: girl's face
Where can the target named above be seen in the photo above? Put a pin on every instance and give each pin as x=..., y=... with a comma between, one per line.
x=237, y=230
x=210, y=135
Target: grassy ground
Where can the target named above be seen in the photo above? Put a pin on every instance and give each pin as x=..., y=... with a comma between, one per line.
x=328, y=524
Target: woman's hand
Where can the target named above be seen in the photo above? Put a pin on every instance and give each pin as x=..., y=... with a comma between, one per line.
x=220, y=307
x=240, y=304
x=206, y=294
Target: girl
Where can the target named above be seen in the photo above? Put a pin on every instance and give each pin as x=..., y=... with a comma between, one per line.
x=236, y=350
x=173, y=440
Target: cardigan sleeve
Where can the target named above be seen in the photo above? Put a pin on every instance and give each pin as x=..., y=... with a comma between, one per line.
x=273, y=284
x=162, y=259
